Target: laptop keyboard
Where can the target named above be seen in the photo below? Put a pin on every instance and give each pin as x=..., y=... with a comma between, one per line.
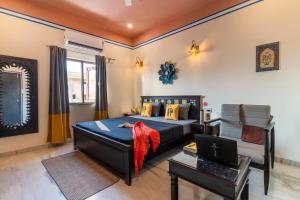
x=218, y=169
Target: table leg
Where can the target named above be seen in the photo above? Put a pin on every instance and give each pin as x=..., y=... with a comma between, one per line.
x=174, y=187
x=245, y=192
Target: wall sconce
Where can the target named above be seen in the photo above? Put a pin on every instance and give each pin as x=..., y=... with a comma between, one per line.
x=194, y=50
x=139, y=63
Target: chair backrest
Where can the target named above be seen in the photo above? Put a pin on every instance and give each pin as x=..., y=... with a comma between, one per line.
x=257, y=115
x=232, y=124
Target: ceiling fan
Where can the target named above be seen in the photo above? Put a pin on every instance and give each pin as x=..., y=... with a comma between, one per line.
x=128, y=2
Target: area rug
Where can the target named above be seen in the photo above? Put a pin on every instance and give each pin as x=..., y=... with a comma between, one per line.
x=77, y=176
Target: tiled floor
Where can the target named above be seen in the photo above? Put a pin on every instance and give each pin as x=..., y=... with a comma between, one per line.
x=23, y=177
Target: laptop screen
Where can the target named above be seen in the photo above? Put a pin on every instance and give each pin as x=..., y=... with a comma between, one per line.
x=217, y=149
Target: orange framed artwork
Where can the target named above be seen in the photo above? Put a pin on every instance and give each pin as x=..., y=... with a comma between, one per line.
x=267, y=57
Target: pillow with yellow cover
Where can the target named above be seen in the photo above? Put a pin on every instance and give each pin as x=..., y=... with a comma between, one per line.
x=172, y=111
x=146, y=110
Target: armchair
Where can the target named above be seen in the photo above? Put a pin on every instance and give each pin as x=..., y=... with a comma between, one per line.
x=256, y=115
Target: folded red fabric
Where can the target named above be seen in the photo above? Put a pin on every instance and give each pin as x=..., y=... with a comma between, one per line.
x=141, y=136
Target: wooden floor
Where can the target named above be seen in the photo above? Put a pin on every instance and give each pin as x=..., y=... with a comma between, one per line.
x=23, y=177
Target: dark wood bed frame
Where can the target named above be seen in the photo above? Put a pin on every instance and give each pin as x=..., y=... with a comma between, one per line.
x=117, y=156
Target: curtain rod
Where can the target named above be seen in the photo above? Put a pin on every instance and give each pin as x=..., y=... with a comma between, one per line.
x=108, y=59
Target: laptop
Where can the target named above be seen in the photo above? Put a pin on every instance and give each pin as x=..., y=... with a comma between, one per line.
x=218, y=149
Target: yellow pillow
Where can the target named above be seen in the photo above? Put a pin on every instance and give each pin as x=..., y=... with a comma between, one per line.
x=172, y=111
x=146, y=110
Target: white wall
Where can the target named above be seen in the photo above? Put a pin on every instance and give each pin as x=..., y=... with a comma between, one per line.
x=21, y=38
x=224, y=71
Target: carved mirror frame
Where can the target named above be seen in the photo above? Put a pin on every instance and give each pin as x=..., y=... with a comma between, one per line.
x=29, y=67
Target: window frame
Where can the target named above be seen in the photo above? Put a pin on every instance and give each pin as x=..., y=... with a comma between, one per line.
x=82, y=81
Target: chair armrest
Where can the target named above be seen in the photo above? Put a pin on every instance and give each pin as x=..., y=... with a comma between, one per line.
x=269, y=127
x=213, y=120
x=269, y=143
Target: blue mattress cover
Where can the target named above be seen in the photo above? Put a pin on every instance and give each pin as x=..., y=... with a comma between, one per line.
x=167, y=131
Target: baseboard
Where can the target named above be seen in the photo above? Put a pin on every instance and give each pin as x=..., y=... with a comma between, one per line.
x=287, y=162
x=29, y=149
x=43, y=146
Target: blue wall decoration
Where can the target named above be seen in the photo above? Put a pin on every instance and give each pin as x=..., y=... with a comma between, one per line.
x=167, y=73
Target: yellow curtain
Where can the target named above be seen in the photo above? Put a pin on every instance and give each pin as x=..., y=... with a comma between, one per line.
x=59, y=129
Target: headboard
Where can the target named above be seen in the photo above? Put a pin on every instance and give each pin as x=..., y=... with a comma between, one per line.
x=196, y=109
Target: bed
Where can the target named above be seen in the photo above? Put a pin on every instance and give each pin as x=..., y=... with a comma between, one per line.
x=112, y=146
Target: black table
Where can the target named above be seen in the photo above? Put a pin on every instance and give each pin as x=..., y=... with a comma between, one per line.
x=228, y=182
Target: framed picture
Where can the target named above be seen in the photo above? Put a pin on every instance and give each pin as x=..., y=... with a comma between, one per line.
x=18, y=96
x=267, y=57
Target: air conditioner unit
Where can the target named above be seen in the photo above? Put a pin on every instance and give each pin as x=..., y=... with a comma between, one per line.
x=84, y=43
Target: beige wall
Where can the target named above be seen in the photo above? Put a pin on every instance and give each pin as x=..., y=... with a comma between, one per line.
x=26, y=39
x=225, y=69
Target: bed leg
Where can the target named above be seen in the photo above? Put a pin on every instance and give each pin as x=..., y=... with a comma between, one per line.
x=128, y=180
x=74, y=142
x=128, y=168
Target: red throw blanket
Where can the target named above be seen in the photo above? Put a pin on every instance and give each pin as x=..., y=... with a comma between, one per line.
x=141, y=135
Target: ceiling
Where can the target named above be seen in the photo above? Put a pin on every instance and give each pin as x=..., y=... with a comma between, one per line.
x=109, y=18
x=114, y=16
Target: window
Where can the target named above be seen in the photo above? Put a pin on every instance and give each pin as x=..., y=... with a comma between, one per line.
x=81, y=81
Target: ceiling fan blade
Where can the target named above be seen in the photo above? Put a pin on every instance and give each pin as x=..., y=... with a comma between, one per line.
x=128, y=2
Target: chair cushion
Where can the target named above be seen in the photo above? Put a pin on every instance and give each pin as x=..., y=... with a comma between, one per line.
x=253, y=134
x=254, y=151
x=257, y=115
x=230, y=125
x=253, y=115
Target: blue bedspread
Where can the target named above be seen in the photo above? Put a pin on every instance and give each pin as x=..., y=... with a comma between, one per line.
x=109, y=128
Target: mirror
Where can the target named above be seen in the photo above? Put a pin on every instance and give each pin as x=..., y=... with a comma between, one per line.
x=18, y=96
x=15, y=95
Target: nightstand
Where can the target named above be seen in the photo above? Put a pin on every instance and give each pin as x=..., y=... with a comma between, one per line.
x=211, y=129
x=198, y=128
x=127, y=114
